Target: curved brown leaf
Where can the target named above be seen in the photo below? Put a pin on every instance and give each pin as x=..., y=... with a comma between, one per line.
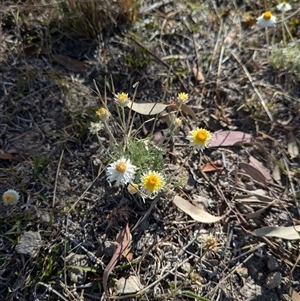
x=253, y=172
x=123, y=240
x=259, y=166
x=69, y=63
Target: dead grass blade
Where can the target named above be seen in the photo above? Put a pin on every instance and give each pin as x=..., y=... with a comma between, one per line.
x=253, y=85
x=123, y=240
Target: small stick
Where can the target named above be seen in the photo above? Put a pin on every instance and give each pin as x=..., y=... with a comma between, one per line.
x=56, y=177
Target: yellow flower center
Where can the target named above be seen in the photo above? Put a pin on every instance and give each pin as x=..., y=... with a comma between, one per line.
x=101, y=111
x=267, y=15
x=123, y=96
x=201, y=136
x=183, y=97
x=9, y=198
x=152, y=180
x=121, y=167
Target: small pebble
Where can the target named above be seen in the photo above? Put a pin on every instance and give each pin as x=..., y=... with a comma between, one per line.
x=273, y=280
x=29, y=244
x=77, y=275
x=273, y=263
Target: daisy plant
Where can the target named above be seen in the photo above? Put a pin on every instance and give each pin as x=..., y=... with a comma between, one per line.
x=122, y=100
x=135, y=163
x=284, y=7
x=104, y=115
x=267, y=19
x=174, y=122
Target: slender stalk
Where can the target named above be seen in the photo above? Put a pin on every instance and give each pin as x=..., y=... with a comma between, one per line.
x=283, y=31
x=111, y=136
x=268, y=42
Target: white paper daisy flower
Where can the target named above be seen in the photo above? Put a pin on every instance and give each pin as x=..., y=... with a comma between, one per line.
x=121, y=171
x=266, y=20
x=177, y=122
x=103, y=114
x=10, y=197
x=200, y=138
x=95, y=127
x=122, y=99
x=284, y=6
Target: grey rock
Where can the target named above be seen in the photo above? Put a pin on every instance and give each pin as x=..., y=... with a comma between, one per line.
x=109, y=248
x=77, y=275
x=273, y=263
x=273, y=280
x=128, y=286
x=29, y=244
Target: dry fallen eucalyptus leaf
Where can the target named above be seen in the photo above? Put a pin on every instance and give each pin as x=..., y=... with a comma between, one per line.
x=196, y=212
x=294, y=295
x=69, y=63
x=259, y=166
x=147, y=108
x=290, y=233
x=230, y=138
x=254, y=173
x=123, y=240
x=198, y=75
x=210, y=167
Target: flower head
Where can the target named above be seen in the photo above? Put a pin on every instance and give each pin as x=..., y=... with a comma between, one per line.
x=103, y=114
x=209, y=243
x=95, y=127
x=200, y=138
x=121, y=171
x=266, y=20
x=10, y=197
x=122, y=99
x=183, y=97
x=152, y=182
x=284, y=6
x=133, y=188
x=177, y=122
